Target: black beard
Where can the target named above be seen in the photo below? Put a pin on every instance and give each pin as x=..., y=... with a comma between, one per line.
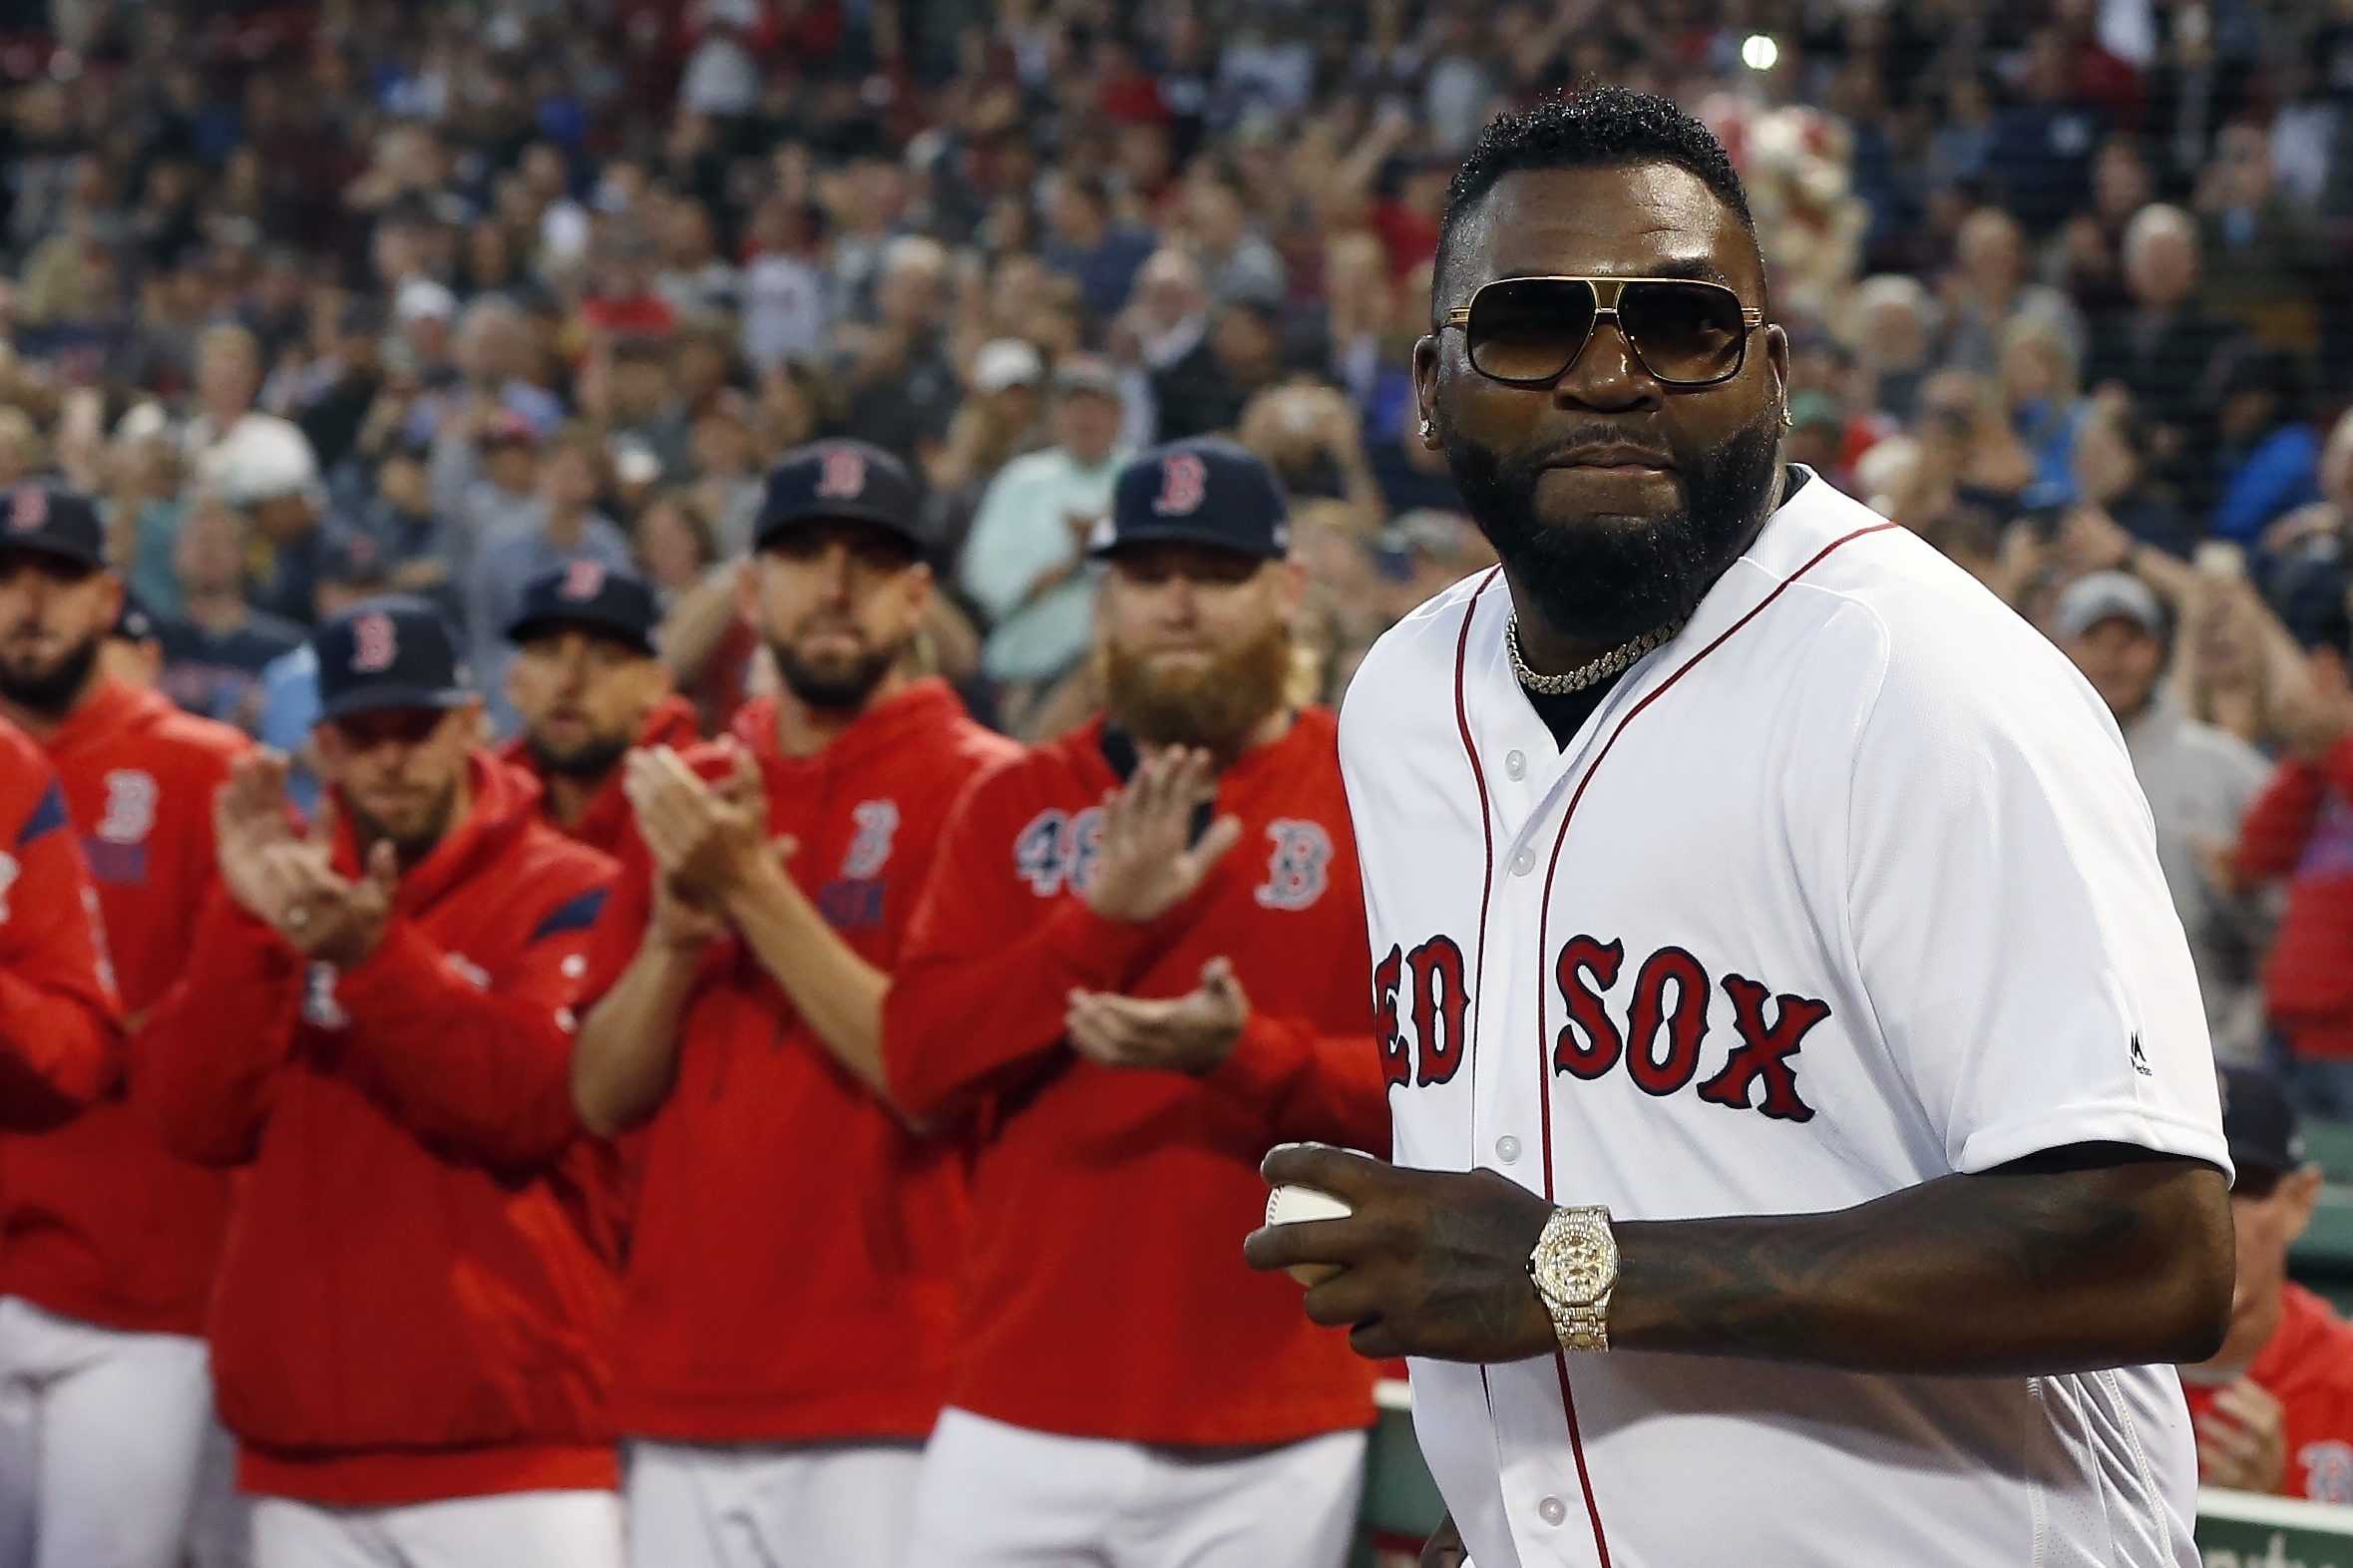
x=368, y=832
x=1607, y=583
x=834, y=690
x=584, y=764
x=51, y=693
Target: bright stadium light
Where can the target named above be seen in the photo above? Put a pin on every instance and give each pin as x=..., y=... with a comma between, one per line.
x=1758, y=51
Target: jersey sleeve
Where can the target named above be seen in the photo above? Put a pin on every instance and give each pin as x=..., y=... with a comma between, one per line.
x=478, y=1063
x=206, y=1064
x=2009, y=922
x=60, y=1019
x=987, y=966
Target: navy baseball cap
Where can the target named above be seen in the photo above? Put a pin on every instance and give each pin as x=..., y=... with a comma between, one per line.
x=590, y=595
x=391, y=652
x=2258, y=1121
x=53, y=520
x=853, y=480
x=1206, y=491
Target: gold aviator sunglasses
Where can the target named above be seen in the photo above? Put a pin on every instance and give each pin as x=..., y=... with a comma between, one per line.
x=1528, y=332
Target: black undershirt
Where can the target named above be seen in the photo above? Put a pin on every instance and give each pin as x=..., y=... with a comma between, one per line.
x=1566, y=715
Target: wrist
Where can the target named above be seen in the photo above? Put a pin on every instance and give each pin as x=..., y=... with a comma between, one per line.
x=1574, y=1267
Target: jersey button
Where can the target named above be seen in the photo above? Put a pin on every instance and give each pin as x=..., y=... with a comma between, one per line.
x=1507, y=1149
x=1552, y=1510
x=1515, y=764
x=1524, y=862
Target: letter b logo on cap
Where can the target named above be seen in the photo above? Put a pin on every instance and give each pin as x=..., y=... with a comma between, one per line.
x=843, y=477
x=583, y=581
x=28, y=508
x=375, y=644
x=1183, y=485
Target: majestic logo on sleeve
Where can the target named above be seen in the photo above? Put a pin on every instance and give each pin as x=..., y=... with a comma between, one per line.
x=1299, y=868
x=1656, y=1030
x=9, y=872
x=2328, y=1470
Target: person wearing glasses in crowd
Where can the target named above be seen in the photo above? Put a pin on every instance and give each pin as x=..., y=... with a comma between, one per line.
x=2274, y=1407
x=412, y=1324
x=1808, y=1145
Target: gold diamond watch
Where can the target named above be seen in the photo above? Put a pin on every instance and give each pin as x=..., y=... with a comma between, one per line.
x=1575, y=1266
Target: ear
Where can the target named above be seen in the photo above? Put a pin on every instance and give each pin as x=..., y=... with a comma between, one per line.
x=747, y=590
x=2301, y=1194
x=919, y=592
x=1291, y=586
x=1776, y=359
x=1426, y=390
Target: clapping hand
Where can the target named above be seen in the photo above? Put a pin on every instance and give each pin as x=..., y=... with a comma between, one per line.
x=1192, y=1034
x=1147, y=863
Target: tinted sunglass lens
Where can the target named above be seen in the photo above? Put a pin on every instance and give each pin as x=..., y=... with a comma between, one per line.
x=1686, y=333
x=1528, y=329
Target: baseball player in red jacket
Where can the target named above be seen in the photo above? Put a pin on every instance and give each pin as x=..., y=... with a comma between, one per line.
x=1138, y=965
x=410, y=1332
x=61, y=1038
x=586, y=681
x=107, y=1243
x=782, y=1357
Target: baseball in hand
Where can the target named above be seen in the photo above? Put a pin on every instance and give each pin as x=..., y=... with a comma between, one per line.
x=1291, y=1205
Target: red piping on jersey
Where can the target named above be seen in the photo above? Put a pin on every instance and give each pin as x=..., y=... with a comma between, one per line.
x=1544, y=945
x=1478, y=776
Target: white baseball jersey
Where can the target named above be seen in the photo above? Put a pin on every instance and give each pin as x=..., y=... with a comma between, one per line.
x=1847, y=888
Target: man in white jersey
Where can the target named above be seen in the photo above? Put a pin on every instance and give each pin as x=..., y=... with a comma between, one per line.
x=1806, y=1136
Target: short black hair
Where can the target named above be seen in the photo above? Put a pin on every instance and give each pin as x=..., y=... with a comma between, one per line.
x=1592, y=128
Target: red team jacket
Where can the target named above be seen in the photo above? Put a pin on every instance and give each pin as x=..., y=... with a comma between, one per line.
x=607, y=821
x=792, y=1264
x=417, y=1294
x=97, y=1222
x=2301, y=828
x=60, y=1020
x=1103, y=1289
x=2307, y=1366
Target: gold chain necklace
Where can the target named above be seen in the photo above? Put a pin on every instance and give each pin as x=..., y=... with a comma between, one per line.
x=1611, y=663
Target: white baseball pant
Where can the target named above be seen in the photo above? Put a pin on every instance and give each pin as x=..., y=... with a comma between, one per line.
x=1000, y=1497
x=772, y=1505
x=221, y=1518
x=510, y=1531
x=100, y=1434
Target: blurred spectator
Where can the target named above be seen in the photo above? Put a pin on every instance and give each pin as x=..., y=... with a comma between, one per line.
x=2038, y=376
x=1164, y=326
x=342, y=384
x=2300, y=831
x=2273, y=1408
x=1894, y=325
x=287, y=704
x=1235, y=259
x=2267, y=460
x=2041, y=158
x=264, y=468
x=1988, y=294
x=2264, y=254
x=1086, y=243
x=1205, y=391
x=902, y=389
x=2108, y=464
x=216, y=647
x=562, y=525
x=2159, y=347
x=1025, y=562
x=2199, y=780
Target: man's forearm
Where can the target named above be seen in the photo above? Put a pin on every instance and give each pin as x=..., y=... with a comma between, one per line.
x=2024, y=1270
x=627, y=1053
x=837, y=992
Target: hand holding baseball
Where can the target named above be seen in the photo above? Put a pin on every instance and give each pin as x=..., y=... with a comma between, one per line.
x=1432, y=1263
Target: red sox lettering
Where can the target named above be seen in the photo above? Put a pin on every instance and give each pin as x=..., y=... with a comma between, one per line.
x=1660, y=1044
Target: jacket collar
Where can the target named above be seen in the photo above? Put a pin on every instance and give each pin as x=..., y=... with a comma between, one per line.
x=505, y=800
x=920, y=708
x=109, y=709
